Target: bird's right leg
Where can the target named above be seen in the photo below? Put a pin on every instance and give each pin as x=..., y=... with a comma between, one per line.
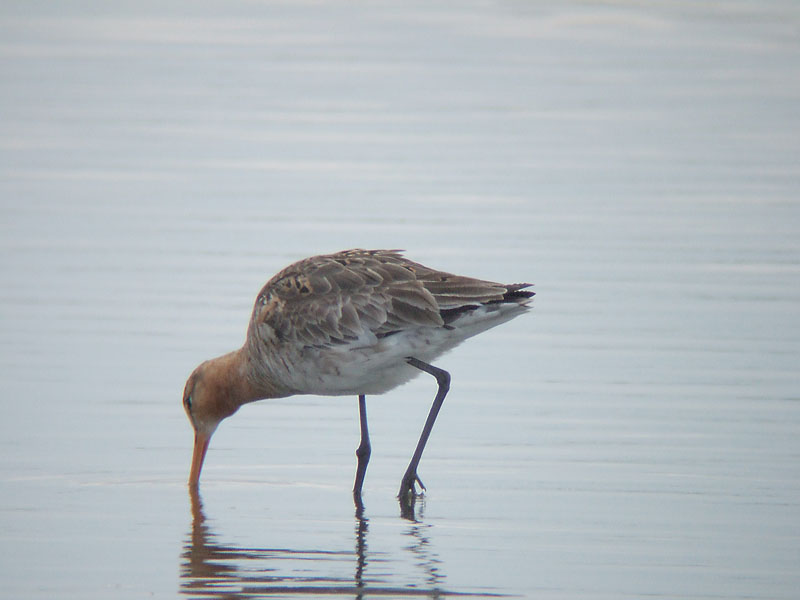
x=410, y=479
x=362, y=452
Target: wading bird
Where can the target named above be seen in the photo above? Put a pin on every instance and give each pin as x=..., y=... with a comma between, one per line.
x=358, y=322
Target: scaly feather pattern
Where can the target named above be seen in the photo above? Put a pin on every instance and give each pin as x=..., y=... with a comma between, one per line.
x=328, y=322
x=355, y=322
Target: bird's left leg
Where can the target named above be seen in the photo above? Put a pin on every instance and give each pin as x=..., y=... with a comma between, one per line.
x=407, y=487
x=363, y=451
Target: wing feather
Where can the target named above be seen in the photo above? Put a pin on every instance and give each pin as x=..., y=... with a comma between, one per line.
x=360, y=295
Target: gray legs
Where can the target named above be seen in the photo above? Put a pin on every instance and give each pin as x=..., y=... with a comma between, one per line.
x=363, y=451
x=407, y=491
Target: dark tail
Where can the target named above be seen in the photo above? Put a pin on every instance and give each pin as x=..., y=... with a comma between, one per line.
x=516, y=292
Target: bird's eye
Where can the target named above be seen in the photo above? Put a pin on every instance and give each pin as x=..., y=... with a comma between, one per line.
x=188, y=403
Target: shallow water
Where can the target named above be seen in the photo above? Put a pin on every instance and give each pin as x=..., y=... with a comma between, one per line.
x=636, y=435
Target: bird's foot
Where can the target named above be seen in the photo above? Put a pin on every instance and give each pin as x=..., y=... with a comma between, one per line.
x=408, y=487
x=359, y=503
x=408, y=495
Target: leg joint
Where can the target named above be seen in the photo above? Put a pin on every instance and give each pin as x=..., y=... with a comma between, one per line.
x=363, y=451
x=442, y=376
x=443, y=379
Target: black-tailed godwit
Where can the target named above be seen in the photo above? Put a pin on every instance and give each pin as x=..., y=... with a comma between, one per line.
x=357, y=322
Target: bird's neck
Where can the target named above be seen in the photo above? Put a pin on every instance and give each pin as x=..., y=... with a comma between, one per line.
x=233, y=374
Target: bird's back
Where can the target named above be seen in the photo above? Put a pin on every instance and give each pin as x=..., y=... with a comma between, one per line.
x=344, y=323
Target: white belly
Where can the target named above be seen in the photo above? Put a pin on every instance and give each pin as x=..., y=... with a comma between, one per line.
x=379, y=366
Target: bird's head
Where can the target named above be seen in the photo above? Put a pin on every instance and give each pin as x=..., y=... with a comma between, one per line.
x=207, y=400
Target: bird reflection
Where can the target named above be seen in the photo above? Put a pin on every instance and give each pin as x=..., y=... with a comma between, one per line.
x=420, y=548
x=213, y=569
x=362, y=526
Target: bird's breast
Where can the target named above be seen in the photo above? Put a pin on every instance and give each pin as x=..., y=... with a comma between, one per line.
x=356, y=367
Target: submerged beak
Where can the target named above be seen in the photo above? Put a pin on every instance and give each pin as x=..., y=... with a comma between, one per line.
x=200, y=447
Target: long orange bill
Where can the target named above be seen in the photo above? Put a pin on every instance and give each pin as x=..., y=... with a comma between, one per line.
x=200, y=447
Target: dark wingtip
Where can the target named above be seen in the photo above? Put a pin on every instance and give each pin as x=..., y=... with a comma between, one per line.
x=517, y=290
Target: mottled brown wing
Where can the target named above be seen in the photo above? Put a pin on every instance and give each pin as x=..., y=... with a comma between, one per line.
x=344, y=297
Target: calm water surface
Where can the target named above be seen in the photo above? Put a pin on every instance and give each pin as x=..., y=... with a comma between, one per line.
x=637, y=435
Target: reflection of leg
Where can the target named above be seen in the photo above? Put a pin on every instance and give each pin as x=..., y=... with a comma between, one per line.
x=425, y=557
x=363, y=451
x=361, y=550
x=407, y=487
